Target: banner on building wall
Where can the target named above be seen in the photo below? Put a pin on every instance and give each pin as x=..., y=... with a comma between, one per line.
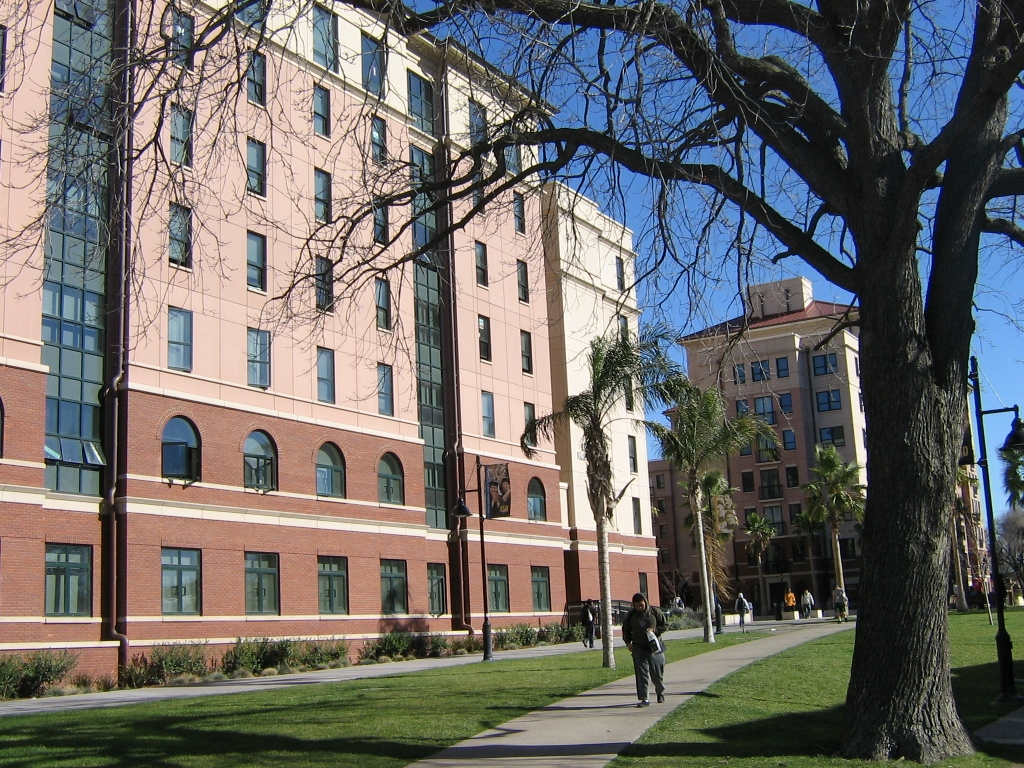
x=499, y=490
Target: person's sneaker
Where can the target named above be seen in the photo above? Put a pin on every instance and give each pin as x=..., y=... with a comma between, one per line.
x=644, y=703
x=661, y=698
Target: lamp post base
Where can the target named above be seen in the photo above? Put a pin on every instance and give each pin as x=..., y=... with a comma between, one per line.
x=488, y=642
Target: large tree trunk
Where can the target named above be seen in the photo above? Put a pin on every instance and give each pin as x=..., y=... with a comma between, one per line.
x=900, y=701
x=604, y=576
x=705, y=588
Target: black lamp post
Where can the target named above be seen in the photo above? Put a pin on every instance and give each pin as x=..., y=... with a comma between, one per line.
x=1014, y=441
x=462, y=510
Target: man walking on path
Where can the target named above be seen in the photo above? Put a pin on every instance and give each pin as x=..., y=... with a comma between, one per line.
x=589, y=618
x=642, y=630
x=806, y=604
x=839, y=601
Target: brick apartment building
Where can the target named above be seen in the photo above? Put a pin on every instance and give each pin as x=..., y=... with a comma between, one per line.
x=183, y=459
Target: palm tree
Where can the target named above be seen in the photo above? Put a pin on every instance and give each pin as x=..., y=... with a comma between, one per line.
x=712, y=485
x=701, y=433
x=809, y=528
x=761, y=532
x=835, y=495
x=623, y=368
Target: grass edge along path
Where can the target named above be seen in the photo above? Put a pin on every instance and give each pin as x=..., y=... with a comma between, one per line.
x=381, y=722
x=787, y=710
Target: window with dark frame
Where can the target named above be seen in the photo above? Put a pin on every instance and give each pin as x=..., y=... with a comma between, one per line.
x=481, y=263
x=659, y=481
x=792, y=477
x=786, y=402
x=832, y=436
x=258, y=358
x=765, y=408
x=256, y=261
x=519, y=212
x=526, y=349
x=259, y=462
x=484, y=336
x=256, y=167
x=799, y=551
x=262, y=590
x=421, y=103
x=325, y=375
x=620, y=274
x=523, y=281
x=390, y=480
x=829, y=400
x=179, y=450
x=381, y=230
x=378, y=140
x=394, y=597
x=3, y=57
x=321, y=111
x=742, y=407
x=382, y=300
x=497, y=588
x=322, y=195
x=179, y=230
x=477, y=123
x=179, y=339
x=332, y=583
x=747, y=481
x=825, y=364
x=739, y=374
x=182, y=38
x=181, y=136
x=760, y=370
x=437, y=590
x=540, y=577
x=529, y=414
x=536, y=501
x=638, y=520
x=253, y=13
x=487, y=413
x=330, y=471
x=325, y=38
x=782, y=367
x=788, y=440
x=68, y=580
x=631, y=449
x=767, y=449
x=794, y=512
x=373, y=66
x=385, y=390
x=324, y=284
x=256, y=79
x=181, y=581
x=513, y=159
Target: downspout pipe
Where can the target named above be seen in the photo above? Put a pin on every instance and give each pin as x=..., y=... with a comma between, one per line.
x=115, y=556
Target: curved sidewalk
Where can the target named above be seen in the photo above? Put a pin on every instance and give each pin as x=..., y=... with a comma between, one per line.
x=590, y=729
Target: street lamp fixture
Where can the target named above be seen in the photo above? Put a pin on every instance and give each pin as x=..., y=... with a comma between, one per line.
x=1014, y=441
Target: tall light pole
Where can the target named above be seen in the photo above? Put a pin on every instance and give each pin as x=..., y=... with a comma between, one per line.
x=1015, y=440
x=462, y=510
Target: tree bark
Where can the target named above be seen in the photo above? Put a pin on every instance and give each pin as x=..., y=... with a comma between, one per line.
x=702, y=554
x=604, y=571
x=814, y=571
x=762, y=587
x=958, y=571
x=837, y=557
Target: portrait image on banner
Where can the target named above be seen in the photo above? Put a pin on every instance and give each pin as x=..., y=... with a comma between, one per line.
x=499, y=490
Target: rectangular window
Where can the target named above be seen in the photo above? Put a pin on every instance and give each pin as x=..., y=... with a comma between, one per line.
x=792, y=477
x=258, y=358
x=179, y=229
x=182, y=39
x=829, y=400
x=378, y=140
x=643, y=583
x=856, y=360
x=373, y=66
x=323, y=282
x=180, y=581
x=824, y=364
x=747, y=482
x=325, y=375
x=519, y=212
x=513, y=159
x=385, y=390
x=782, y=367
x=481, y=263
x=620, y=273
x=424, y=223
x=742, y=407
x=3, y=56
x=68, y=580
x=526, y=348
x=760, y=370
x=540, y=575
x=765, y=408
x=659, y=481
x=437, y=591
x=638, y=520
x=421, y=103
x=256, y=261
x=382, y=298
x=261, y=583
x=322, y=195
x=773, y=515
x=181, y=136
x=799, y=551
x=739, y=374
x=179, y=339
x=767, y=449
x=523, y=281
x=487, y=412
x=477, y=123
x=321, y=111
x=256, y=167
x=529, y=414
x=325, y=38
x=663, y=531
x=484, y=336
x=832, y=436
x=786, y=402
x=847, y=549
x=252, y=13
x=623, y=322
x=332, y=584
x=789, y=439
x=497, y=588
x=746, y=450
x=256, y=79
x=393, y=589
x=631, y=449
x=771, y=487
x=794, y=512
x=381, y=230
x=860, y=397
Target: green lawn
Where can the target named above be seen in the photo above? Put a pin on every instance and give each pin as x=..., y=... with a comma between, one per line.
x=787, y=710
x=374, y=723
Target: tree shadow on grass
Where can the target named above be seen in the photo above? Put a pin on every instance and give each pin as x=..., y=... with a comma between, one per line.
x=976, y=689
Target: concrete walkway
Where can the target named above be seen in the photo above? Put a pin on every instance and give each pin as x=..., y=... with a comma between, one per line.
x=1008, y=729
x=589, y=730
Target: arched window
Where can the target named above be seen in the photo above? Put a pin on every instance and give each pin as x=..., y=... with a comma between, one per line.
x=536, y=506
x=330, y=471
x=390, y=481
x=180, y=450
x=260, y=462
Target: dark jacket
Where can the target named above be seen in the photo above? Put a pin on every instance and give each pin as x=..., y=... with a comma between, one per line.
x=637, y=622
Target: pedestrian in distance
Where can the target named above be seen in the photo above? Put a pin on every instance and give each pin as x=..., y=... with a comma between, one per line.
x=588, y=616
x=743, y=608
x=642, y=630
x=790, y=600
x=840, y=603
x=806, y=604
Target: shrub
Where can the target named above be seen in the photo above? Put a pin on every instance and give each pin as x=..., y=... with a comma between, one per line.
x=136, y=673
x=466, y=645
x=257, y=654
x=44, y=668
x=689, y=619
x=241, y=674
x=11, y=670
x=437, y=645
x=520, y=635
x=175, y=659
x=558, y=633
x=106, y=683
x=314, y=653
